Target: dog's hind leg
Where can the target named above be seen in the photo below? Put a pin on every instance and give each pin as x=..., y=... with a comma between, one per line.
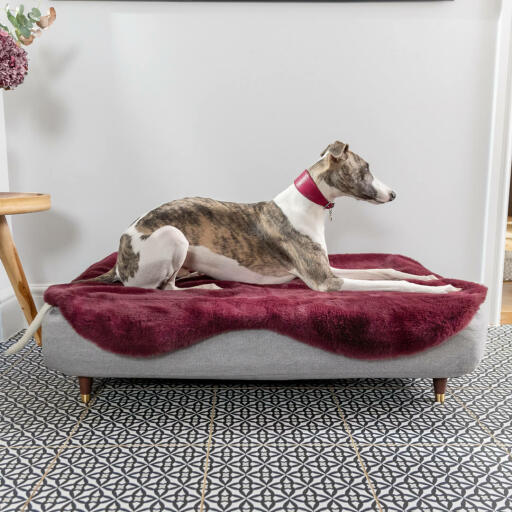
x=153, y=262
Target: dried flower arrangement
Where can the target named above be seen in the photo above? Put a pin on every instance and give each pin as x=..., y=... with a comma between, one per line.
x=13, y=58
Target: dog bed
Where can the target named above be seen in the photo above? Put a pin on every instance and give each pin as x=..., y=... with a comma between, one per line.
x=257, y=354
x=139, y=322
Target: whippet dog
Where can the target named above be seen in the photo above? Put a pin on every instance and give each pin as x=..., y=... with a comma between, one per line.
x=270, y=242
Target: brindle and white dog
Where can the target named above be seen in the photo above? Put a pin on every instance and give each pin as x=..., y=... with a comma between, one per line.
x=264, y=243
x=270, y=242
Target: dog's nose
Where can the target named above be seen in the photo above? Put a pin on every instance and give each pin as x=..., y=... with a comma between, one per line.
x=392, y=195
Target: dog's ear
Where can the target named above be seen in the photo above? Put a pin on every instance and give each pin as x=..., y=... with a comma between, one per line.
x=336, y=149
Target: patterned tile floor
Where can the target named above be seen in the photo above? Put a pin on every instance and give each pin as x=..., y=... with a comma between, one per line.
x=348, y=445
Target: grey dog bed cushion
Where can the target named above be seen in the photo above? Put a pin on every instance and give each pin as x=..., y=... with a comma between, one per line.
x=257, y=355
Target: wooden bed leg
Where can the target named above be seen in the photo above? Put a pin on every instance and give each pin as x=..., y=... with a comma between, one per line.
x=85, y=388
x=440, y=389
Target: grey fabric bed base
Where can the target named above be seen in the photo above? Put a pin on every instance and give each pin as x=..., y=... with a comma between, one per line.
x=257, y=355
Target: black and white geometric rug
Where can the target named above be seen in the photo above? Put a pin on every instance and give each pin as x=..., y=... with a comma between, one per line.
x=330, y=446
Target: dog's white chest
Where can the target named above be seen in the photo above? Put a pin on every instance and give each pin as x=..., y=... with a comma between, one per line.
x=306, y=217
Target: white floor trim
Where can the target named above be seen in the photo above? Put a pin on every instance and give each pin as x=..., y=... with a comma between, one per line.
x=11, y=316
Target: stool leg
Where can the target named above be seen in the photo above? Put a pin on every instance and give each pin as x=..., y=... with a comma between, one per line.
x=440, y=389
x=14, y=270
x=85, y=388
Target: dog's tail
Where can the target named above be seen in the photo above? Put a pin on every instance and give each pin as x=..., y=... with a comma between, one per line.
x=31, y=330
x=107, y=277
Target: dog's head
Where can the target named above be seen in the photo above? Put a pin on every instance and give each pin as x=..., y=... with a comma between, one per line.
x=346, y=174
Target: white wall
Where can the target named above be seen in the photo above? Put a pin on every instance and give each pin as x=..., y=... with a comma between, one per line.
x=10, y=315
x=131, y=104
x=4, y=174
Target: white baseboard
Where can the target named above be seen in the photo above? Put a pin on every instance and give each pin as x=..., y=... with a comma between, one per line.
x=11, y=316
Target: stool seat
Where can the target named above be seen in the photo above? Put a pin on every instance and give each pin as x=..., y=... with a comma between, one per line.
x=19, y=202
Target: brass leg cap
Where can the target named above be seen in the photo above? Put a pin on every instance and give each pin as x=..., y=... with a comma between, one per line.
x=85, y=398
x=440, y=398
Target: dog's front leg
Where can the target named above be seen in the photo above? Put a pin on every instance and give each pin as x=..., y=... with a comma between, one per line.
x=333, y=284
x=320, y=276
x=393, y=286
x=372, y=274
x=316, y=273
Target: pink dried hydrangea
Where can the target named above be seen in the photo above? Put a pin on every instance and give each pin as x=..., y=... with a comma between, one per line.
x=13, y=62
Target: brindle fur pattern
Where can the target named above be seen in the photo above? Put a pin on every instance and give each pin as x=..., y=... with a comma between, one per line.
x=129, y=259
x=258, y=236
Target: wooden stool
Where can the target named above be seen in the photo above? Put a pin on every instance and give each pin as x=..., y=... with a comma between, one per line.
x=12, y=203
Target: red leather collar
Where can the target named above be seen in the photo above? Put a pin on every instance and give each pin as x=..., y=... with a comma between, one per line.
x=308, y=188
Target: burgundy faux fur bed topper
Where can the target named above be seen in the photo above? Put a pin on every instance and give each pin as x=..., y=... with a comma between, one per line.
x=367, y=325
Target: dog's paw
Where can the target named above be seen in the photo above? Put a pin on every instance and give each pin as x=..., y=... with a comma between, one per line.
x=430, y=277
x=210, y=286
x=447, y=288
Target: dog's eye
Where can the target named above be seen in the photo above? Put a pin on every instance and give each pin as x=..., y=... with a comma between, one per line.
x=364, y=175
